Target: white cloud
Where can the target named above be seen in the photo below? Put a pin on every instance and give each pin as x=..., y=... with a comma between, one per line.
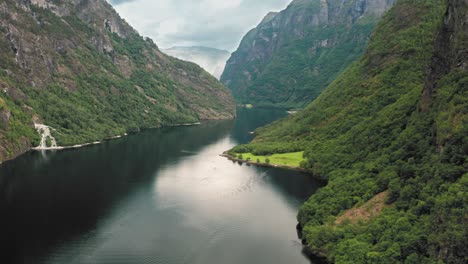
x=216, y=4
x=213, y=23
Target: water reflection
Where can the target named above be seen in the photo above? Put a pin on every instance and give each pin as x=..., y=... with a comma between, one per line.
x=161, y=196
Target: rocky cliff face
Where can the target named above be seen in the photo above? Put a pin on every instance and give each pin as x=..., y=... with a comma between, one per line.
x=451, y=49
x=76, y=66
x=396, y=121
x=291, y=56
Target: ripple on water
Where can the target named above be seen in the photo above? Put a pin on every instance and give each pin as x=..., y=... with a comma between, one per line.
x=161, y=196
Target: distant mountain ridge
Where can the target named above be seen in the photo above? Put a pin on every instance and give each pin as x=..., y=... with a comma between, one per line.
x=211, y=59
x=291, y=56
x=77, y=67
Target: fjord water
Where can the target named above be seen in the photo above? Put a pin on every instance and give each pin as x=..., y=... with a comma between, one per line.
x=160, y=196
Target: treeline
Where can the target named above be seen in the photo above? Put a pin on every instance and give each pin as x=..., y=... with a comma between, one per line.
x=88, y=83
x=368, y=133
x=267, y=149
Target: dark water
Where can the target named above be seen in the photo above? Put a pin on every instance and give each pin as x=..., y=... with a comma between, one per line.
x=161, y=196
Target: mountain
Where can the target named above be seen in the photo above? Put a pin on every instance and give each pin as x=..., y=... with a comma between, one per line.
x=210, y=59
x=77, y=67
x=391, y=136
x=291, y=56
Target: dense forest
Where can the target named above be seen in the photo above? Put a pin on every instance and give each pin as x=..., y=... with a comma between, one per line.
x=390, y=135
x=79, y=68
x=293, y=55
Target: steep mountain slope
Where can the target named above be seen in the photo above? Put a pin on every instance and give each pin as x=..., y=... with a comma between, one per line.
x=293, y=55
x=210, y=59
x=76, y=66
x=394, y=123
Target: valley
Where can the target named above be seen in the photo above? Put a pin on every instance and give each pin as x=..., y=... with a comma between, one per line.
x=336, y=132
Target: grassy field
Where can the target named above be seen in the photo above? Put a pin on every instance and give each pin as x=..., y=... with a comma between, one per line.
x=285, y=159
x=372, y=131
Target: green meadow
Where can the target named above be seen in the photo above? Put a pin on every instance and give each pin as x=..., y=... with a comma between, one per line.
x=285, y=159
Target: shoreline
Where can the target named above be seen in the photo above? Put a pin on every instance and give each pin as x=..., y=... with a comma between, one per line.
x=229, y=157
x=313, y=255
x=266, y=165
x=77, y=146
x=107, y=139
x=186, y=124
x=316, y=257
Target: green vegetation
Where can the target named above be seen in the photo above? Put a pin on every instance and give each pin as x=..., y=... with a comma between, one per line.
x=261, y=149
x=368, y=133
x=295, y=76
x=17, y=130
x=283, y=159
x=300, y=66
x=48, y=142
x=95, y=84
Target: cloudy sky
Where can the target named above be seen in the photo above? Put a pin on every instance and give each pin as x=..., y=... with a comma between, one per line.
x=211, y=23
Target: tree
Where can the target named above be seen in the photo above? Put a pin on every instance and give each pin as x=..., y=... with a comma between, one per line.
x=267, y=161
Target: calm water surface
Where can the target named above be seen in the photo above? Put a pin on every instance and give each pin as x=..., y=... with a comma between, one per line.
x=160, y=196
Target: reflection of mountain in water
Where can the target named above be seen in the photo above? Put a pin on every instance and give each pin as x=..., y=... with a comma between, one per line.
x=50, y=198
x=250, y=119
x=299, y=188
x=162, y=194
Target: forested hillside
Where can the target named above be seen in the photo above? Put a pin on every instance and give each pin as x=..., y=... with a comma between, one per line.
x=76, y=66
x=390, y=134
x=293, y=55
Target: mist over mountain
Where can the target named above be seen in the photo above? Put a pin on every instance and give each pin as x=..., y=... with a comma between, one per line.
x=371, y=119
x=211, y=59
x=203, y=23
x=78, y=67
